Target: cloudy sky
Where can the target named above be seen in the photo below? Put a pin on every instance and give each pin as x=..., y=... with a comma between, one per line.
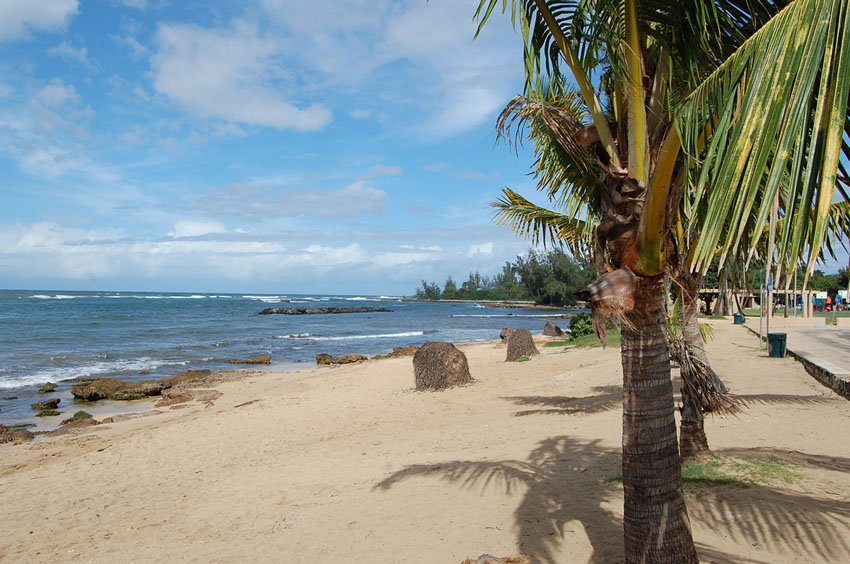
x=292, y=146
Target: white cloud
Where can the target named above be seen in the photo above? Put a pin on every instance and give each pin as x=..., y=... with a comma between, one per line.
x=265, y=199
x=56, y=94
x=460, y=83
x=381, y=170
x=228, y=74
x=67, y=51
x=195, y=228
x=355, y=199
x=19, y=17
x=140, y=5
x=484, y=249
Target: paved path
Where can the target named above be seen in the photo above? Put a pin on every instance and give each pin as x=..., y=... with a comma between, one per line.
x=823, y=349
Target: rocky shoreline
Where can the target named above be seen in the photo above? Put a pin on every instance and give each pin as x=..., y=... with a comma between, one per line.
x=321, y=310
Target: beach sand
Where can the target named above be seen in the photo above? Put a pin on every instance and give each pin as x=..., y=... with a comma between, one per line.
x=349, y=464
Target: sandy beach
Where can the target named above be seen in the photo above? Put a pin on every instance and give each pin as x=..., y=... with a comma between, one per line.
x=350, y=464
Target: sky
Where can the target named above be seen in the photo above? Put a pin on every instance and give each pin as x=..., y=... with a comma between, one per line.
x=286, y=146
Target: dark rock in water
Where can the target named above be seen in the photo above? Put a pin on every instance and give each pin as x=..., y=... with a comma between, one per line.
x=505, y=333
x=438, y=365
x=9, y=398
x=14, y=434
x=47, y=387
x=259, y=359
x=79, y=418
x=552, y=330
x=326, y=359
x=520, y=344
x=320, y=310
x=48, y=413
x=46, y=404
x=102, y=388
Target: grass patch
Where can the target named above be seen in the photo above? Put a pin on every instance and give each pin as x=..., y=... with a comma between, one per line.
x=738, y=472
x=728, y=471
x=718, y=317
x=588, y=341
x=523, y=358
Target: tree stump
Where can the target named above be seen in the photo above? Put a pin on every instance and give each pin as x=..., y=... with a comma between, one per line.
x=552, y=330
x=438, y=365
x=505, y=333
x=520, y=344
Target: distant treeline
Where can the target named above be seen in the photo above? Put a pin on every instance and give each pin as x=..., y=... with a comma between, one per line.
x=547, y=278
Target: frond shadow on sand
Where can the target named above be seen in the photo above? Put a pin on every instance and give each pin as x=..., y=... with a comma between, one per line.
x=566, y=481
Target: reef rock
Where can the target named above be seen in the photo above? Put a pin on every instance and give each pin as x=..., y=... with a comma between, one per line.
x=552, y=330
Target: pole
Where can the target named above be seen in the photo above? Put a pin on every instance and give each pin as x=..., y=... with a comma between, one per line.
x=761, y=312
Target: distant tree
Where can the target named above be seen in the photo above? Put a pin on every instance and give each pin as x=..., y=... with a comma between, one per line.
x=449, y=289
x=428, y=291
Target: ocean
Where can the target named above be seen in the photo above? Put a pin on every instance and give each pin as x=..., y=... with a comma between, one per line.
x=53, y=336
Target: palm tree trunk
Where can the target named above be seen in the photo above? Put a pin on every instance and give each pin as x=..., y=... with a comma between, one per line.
x=692, y=440
x=655, y=521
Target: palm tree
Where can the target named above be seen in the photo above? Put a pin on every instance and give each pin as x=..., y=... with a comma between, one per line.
x=711, y=108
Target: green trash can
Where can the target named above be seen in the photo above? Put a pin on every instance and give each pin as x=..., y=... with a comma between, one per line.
x=776, y=344
x=739, y=318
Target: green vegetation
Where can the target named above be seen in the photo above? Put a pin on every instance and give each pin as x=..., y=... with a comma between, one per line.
x=588, y=341
x=729, y=471
x=581, y=325
x=523, y=358
x=738, y=472
x=48, y=413
x=551, y=278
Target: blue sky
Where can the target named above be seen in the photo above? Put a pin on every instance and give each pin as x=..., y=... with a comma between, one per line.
x=288, y=146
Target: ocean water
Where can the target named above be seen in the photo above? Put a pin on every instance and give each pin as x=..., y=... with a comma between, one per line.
x=50, y=336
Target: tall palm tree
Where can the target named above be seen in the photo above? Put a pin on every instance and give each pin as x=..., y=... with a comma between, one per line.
x=709, y=111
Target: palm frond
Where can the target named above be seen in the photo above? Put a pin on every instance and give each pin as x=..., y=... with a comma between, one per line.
x=779, y=104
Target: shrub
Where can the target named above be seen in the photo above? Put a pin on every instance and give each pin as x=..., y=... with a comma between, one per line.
x=581, y=325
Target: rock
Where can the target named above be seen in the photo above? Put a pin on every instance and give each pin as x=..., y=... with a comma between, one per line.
x=520, y=344
x=102, y=388
x=110, y=388
x=399, y=352
x=9, y=398
x=438, y=365
x=48, y=413
x=321, y=310
x=259, y=359
x=552, y=330
x=46, y=404
x=47, y=387
x=14, y=434
x=80, y=418
x=505, y=333
x=179, y=395
x=138, y=391
x=185, y=377
x=326, y=359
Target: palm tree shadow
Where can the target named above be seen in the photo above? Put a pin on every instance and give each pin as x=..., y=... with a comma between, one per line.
x=781, y=399
x=560, y=488
x=787, y=521
x=563, y=489
x=608, y=398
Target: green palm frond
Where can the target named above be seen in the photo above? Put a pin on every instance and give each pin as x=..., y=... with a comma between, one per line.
x=778, y=106
x=566, y=171
x=545, y=226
